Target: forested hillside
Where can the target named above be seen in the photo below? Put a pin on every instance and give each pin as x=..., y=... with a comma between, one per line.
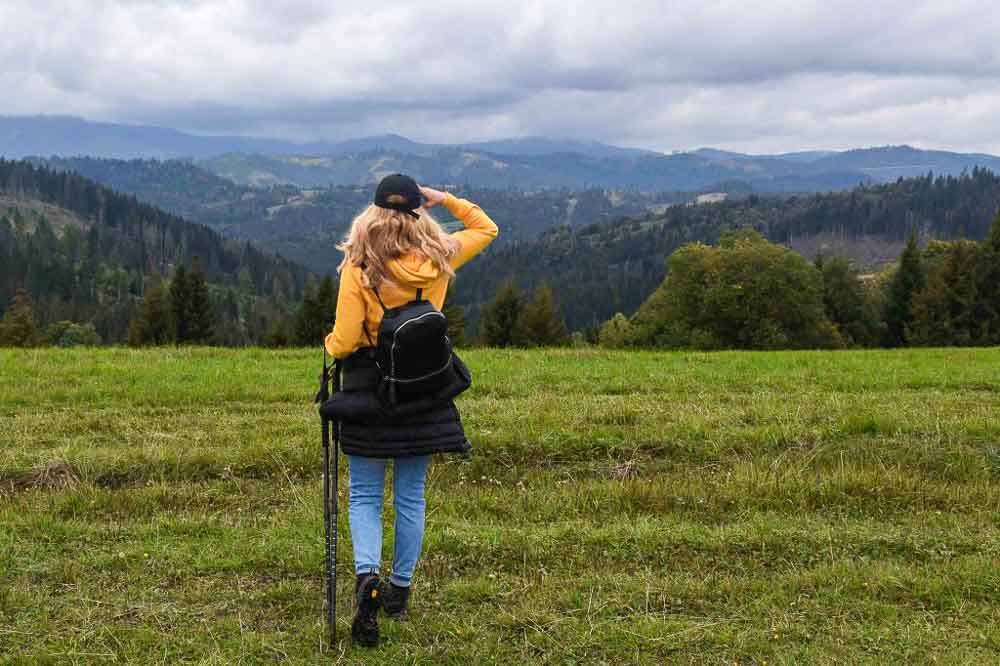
x=84, y=253
x=305, y=225
x=613, y=266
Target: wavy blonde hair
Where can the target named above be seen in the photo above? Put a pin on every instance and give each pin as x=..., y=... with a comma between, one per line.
x=379, y=235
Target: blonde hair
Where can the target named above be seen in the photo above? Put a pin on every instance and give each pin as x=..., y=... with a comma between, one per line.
x=378, y=235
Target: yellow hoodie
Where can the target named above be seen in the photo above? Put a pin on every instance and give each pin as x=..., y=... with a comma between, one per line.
x=355, y=304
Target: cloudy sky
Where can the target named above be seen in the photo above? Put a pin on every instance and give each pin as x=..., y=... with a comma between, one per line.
x=767, y=76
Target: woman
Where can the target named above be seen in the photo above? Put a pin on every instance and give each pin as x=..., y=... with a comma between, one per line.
x=394, y=249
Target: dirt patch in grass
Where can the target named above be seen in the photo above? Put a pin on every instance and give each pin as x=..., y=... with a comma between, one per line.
x=54, y=476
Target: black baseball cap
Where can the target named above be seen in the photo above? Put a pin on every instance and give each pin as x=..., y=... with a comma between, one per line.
x=404, y=186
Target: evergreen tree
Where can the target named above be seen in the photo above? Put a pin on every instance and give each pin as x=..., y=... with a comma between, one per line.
x=151, y=324
x=306, y=317
x=278, y=334
x=314, y=319
x=499, y=319
x=987, y=279
x=539, y=323
x=180, y=305
x=326, y=299
x=201, y=317
x=19, y=328
x=906, y=283
x=456, y=324
x=847, y=302
x=944, y=310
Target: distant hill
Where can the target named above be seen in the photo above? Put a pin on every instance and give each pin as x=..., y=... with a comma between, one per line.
x=23, y=136
x=648, y=172
x=612, y=266
x=705, y=169
x=891, y=162
x=69, y=136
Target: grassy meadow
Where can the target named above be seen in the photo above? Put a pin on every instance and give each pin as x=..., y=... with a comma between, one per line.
x=618, y=507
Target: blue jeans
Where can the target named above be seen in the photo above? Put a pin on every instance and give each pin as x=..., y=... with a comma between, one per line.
x=365, y=513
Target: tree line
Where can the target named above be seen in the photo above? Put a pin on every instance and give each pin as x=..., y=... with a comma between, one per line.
x=743, y=293
x=608, y=267
x=748, y=293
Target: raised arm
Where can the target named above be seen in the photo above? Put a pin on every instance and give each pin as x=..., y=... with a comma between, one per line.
x=348, y=329
x=479, y=230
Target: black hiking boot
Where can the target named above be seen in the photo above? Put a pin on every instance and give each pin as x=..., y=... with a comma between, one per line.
x=394, y=600
x=368, y=599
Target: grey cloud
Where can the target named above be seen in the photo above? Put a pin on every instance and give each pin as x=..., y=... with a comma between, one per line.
x=763, y=76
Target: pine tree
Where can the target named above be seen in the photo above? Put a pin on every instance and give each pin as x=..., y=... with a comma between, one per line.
x=456, y=324
x=539, y=323
x=305, y=318
x=315, y=316
x=151, y=323
x=19, y=328
x=180, y=305
x=987, y=279
x=906, y=283
x=326, y=300
x=201, y=316
x=499, y=318
x=944, y=310
x=277, y=334
x=847, y=302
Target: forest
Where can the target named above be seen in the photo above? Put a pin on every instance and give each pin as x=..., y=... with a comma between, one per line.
x=614, y=266
x=81, y=264
x=95, y=260
x=305, y=224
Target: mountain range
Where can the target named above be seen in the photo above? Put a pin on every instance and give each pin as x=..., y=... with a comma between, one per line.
x=524, y=163
x=46, y=135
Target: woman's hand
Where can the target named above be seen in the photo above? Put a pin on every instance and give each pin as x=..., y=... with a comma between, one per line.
x=434, y=197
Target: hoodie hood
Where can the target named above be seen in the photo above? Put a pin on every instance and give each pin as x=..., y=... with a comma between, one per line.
x=414, y=271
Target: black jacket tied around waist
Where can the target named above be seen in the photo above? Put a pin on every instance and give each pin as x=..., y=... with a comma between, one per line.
x=421, y=426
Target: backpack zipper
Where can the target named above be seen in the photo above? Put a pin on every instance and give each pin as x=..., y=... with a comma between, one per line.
x=395, y=336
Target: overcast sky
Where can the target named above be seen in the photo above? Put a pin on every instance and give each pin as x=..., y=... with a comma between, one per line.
x=766, y=77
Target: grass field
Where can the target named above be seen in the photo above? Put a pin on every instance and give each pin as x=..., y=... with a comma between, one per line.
x=778, y=508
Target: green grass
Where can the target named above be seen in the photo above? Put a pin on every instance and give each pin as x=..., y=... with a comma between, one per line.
x=786, y=508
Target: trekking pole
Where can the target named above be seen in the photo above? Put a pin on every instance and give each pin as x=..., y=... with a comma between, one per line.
x=330, y=504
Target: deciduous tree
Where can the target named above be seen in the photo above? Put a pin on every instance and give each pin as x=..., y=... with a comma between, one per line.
x=19, y=328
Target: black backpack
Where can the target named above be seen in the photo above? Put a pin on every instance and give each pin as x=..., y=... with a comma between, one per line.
x=413, y=353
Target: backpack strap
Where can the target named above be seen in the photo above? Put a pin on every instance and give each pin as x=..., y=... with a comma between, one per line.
x=420, y=293
x=364, y=323
x=379, y=297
